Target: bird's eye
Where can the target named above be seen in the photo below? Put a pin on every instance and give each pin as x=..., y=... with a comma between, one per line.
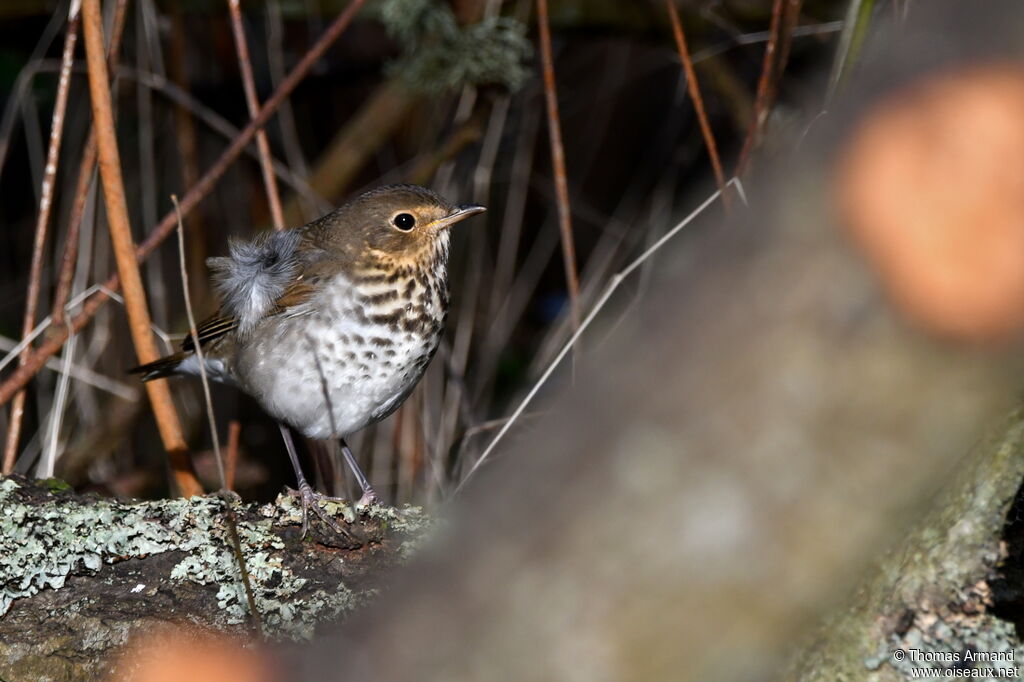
x=404, y=222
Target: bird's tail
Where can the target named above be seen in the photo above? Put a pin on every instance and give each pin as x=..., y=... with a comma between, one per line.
x=164, y=367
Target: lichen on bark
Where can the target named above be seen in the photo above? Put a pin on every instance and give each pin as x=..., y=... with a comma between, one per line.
x=78, y=574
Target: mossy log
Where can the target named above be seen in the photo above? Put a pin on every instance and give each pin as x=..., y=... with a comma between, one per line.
x=931, y=603
x=80, y=574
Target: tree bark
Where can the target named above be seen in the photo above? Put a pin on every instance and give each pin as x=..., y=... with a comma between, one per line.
x=79, y=575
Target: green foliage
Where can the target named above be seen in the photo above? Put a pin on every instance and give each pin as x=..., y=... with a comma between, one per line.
x=438, y=54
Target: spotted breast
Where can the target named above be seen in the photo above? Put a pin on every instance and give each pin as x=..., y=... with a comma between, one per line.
x=351, y=354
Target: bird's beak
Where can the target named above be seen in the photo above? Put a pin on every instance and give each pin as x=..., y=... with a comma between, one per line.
x=460, y=213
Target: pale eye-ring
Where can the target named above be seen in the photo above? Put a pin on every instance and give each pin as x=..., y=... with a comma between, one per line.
x=404, y=221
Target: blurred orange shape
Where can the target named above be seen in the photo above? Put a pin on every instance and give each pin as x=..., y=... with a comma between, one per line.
x=173, y=654
x=931, y=185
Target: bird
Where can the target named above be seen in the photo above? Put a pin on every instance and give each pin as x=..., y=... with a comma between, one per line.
x=331, y=325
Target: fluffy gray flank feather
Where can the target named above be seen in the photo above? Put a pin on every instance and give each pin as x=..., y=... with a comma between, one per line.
x=255, y=275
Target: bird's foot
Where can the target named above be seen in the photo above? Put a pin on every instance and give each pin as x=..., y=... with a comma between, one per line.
x=368, y=499
x=311, y=500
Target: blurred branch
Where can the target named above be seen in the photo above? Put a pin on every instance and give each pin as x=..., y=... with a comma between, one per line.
x=790, y=19
x=38, y=358
x=613, y=285
x=698, y=101
x=731, y=90
x=463, y=136
x=124, y=248
x=245, y=68
x=855, y=27
x=558, y=164
x=762, y=103
x=376, y=121
x=42, y=226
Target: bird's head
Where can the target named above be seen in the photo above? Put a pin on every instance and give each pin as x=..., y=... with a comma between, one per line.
x=396, y=224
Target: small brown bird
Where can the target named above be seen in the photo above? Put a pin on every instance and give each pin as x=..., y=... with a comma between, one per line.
x=330, y=326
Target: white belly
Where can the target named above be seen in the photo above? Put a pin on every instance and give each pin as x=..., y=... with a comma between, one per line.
x=328, y=373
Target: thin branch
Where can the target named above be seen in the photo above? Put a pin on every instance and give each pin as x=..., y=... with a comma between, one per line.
x=379, y=115
x=613, y=285
x=222, y=127
x=231, y=457
x=25, y=373
x=236, y=545
x=86, y=169
x=763, y=89
x=69, y=257
x=698, y=101
x=558, y=163
x=285, y=115
x=463, y=136
x=83, y=374
x=229, y=512
x=47, y=321
x=192, y=330
x=245, y=68
x=124, y=248
x=42, y=227
x=48, y=456
x=790, y=18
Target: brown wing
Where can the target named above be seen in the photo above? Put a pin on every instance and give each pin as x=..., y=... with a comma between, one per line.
x=211, y=328
x=218, y=324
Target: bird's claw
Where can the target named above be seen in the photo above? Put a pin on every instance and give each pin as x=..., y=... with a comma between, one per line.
x=310, y=500
x=368, y=499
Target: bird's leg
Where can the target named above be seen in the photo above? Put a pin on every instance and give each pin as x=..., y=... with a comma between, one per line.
x=369, y=494
x=309, y=497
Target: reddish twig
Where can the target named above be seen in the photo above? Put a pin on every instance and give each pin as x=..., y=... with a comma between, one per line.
x=42, y=226
x=790, y=18
x=698, y=101
x=245, y=68
x=231, y=457
x=124, y=248
x=53, y=344
x=69, y=258
x=558, y=163
x=763, y=90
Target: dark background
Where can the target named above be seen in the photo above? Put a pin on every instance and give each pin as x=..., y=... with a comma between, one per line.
x=636, y=163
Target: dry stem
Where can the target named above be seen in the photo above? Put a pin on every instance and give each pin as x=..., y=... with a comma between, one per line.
x=42, y=225
x=231, y=457
x=761, y=103
x=698, y=101
x=245, y=68
x=69, y=258
x=37, y=360
x=610, y=289
x=124, y=247
x=558, y=164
